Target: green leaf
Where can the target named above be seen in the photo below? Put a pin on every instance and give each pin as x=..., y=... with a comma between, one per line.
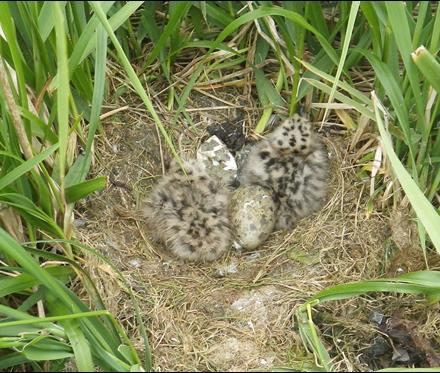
x=134, y=79
x=26, y=166
x=15, y=251
x=39, y=128
x=86, y=43
x=63, y=91
x=96, y=253
x=8, y=29
x=428, y=66
x=11, y=360
x=373, y=22
x=402, y=35
x=353, y=13
x=309, y=335
x=39, y=354
x=174, y=22
x=394, y=92
x=342, y=98
x=137, y=368
x=266, y=91
x=245, y=18
x=361, y=97
x=80, y=168
x=422, y=207
x=46, y=19
x=435, y=39
x=75, y=192
x=214, y=13
x=31, y=212
x=77, y=339
x=261, y=51
x=76, y=171
x=26, y=281
x=127, y=352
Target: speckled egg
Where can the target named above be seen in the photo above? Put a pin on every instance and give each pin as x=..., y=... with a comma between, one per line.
x=252, y=215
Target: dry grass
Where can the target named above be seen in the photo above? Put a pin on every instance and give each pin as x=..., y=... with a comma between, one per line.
x=202, y=317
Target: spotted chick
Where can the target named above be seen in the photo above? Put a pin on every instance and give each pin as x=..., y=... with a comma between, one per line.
x=188, y=213
x=293, y=162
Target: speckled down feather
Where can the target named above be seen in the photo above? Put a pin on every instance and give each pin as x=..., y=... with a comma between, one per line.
x=188, y=213
x=293, y=162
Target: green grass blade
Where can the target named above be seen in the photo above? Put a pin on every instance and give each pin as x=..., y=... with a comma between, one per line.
x=85, y=248
x=249, y=17
x=423, y=282
x=116, y=20
x=423, y=11
x=81, y=166
x=342, y=98
x=63, y=91
x=344, y=291
x=353, y=13
x=26, y=166
x=212, y=12
x=43, y=353
x=317, y=18
x=271, y=95
x=266, y=91
x=309, y=335
x=6, y=21
x=428, y=66
x=32, y=213
x=11, y=248
x=11, y=360
x=402, y=35
x=26, y=281
x=373, y=21
x=77, y=339
x=46, y=19
x=343, y=85
x=422, y=207
x=148, y=22
x=81, y=190
x=137, y=85
x=39, y=128
x=174, y=22
x=394, y=93
x=435, y=38
x=19, y=328
x=86, y=43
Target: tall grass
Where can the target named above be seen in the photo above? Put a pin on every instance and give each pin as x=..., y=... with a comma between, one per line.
x=52, y=84
x=52, y=77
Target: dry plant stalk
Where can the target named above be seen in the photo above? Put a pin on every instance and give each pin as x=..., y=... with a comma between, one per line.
x=15, y=114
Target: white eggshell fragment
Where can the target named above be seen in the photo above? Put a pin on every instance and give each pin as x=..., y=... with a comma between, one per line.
x=252, y=215
x=218, y=160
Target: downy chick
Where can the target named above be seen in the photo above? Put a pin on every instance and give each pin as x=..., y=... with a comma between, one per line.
x=293, y=162
x=188, y=213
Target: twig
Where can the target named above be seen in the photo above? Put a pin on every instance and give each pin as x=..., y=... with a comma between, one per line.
x=112, y=112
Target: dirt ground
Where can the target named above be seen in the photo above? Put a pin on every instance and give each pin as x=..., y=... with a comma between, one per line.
x=236, y=313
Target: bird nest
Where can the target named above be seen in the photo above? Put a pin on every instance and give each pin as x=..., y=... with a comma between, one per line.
x=236, y=313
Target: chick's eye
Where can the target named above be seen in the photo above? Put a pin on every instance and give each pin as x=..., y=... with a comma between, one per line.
x=214, y=211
